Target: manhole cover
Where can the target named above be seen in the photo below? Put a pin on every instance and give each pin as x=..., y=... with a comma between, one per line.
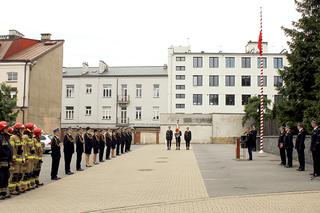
x=240, y=187
x=161, y=161
x=145, y=170
x=162, y=157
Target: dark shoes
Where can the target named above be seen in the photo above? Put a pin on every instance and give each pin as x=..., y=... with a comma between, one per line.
x=80, y=170
x=287, y=166
x=69, y=173
x=55, y=178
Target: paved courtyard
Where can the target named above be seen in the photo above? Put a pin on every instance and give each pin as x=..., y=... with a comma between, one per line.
x=152, y=179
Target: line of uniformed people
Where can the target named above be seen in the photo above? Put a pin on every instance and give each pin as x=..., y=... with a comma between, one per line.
x=21, y=153
x=286, y=146
x=178, y=135
x=96, y=144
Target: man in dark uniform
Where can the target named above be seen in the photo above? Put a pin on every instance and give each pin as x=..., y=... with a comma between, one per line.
x=102, y=144
x=288, y=144
x=5, y=159
x=281, y=146
x=169, y=135
x=250, y=142
x=68, y=149
x=315, y=149
x=187, y=138
x=123, y=140
x=88, y=145
x=254, y=135
x=79, y=148
x=95, y=142
x=126, y=145
x=118, y=141
x=299, y=146
x=108, y=139
x=130, y=139
x=113, y=143
x=55, y=154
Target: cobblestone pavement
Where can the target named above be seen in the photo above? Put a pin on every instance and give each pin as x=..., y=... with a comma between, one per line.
x=151, y=179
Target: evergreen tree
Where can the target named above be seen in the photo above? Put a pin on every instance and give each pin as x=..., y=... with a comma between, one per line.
x=302, y=76
x=252, y=110
x=7, y=104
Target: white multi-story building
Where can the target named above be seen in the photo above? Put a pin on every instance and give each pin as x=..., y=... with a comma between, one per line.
x=104, y=96
x=218, y=84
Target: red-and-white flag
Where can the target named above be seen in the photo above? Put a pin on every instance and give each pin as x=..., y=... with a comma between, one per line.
x=260, y=42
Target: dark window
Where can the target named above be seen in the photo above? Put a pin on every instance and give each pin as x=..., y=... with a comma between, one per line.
x=246, y=62
x=180, y=77
x=197, y=80
x=180, y=87
x=180, y=96
x=277, y=63
x=180, y=58
x=213, y=62
x=230, y=62
x=180, y=106
x=213, y=99
x=229, y=100
x=230, y=80
x=264, y=59
x=197, y=62
x=278, y=82
x=180, y=68
x=197, y=99
x=246, y=81
x=213, y=80
x=264, y=81
x=245, y=99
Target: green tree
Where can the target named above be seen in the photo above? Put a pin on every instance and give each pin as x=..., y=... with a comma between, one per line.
x=302, y=77
x=7, y=104
x=252, y=110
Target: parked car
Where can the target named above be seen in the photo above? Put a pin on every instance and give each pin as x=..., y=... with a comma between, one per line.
x=46, y=139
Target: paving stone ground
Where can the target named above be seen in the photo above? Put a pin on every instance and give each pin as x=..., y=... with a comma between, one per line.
x=151, y=179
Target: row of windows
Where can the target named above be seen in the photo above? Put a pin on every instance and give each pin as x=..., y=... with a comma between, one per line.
x=107, y=90
x=230, y=81
x=214, y=99
x=106, y=112
x=230, y=62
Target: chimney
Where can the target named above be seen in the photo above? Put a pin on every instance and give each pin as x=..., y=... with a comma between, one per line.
x=45, y=36
x=102, y=67
x=85, y=68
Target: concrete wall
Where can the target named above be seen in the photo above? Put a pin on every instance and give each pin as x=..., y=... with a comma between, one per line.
x=271, y=146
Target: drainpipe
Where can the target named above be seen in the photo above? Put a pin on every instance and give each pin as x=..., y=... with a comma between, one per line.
x=117, y=102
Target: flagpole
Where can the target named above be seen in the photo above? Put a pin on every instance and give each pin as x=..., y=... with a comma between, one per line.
x=261, y=85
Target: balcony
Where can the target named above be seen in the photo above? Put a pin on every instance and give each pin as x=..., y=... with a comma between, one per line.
x=122, y=122
x=123, y=99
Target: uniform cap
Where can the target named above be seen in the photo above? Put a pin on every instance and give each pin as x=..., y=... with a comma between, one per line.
x=56, y=130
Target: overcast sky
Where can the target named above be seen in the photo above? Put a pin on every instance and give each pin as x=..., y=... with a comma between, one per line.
x=139, y=32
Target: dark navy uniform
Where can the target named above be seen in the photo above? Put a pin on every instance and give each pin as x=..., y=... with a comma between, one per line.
x=108, y=144
x=299, y=146
x=315, y=149
x=250, y=143
x=102, y=144
x=169, y=135
x=178, y=139
x=56, y=155
x=68, y=149
x=187, y=138
x=79, y=150
x=118, y=140
x=288, y=144
x=88, y=144
x=282, y=149
x=5, y=159
x=123, y=141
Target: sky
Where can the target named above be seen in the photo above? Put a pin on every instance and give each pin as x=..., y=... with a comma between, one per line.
x=139, y=32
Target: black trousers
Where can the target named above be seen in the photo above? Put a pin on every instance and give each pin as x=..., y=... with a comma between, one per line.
x=4, y=178
x=129, y=147
x=101, y=152
x=250, y=149
x=67, y=161
x=118, y=149
x=301, y=158
x=79, y=158
x=187, y=143
x=55, y=166
x=178, y=141
x=316, y=161
x=169, y=143
x=122, y=146
x=283, y=156
x=108, y=150
x=289, y=156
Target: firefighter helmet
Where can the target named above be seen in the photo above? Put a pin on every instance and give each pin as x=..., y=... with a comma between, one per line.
x=3, y=125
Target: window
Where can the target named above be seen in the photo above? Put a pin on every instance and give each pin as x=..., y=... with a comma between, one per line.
x=89, y=88
x=213, y=80
x=107, y=90
x=106, y=113
x=180, y=68
x=197, y=62
x=70, y=91
x=264, y=59
x=245, y=99
x=88, y=111
x=213, y=99
x=246, y=81
x=197, y=80
x=264, y=81
x=156, y=113
x=246, y=62
x=278, y=82
x=138, y=113
x=180, y=106
x=156, y=90
x=69, y=112
x=277, y=99
x=12, y=76
x=180, y=58
x=180, y=87
x=180, y=77
x=230, y=80
x=277, y=63
x=230, y=62
x=138, y=90
x=180, y=96
x=13, y=92
x=229, y=100
x=197, y=99
x=213, y=62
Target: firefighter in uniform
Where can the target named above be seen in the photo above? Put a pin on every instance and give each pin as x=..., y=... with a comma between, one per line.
x=79, y=148
x=55, y=154
x=177, y=135
x=18, y=159
x=187, y=138
x=108, y=144
x=27, y=138
x=5, y=159
x=38, y=156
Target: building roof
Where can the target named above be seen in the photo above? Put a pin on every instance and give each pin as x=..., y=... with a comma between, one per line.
x=116, y=71
x=24, y=49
